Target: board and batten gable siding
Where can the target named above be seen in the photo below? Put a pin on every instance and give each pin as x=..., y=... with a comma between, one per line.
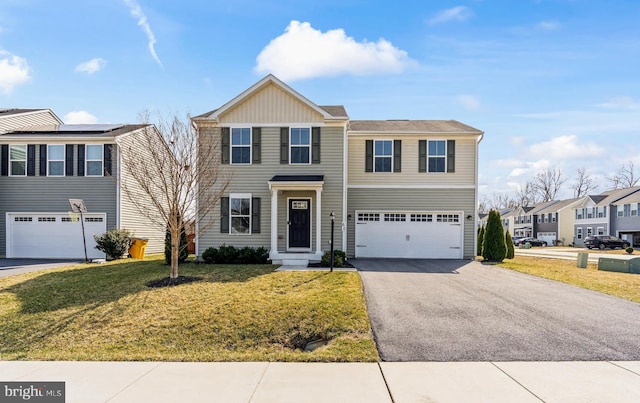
x=254, y=179
x=131, y=218
x=19, y=120
x=271, y=105
x=465, y=162
x=402, y=200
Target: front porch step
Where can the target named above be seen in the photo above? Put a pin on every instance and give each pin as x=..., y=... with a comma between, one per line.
x=295, y=262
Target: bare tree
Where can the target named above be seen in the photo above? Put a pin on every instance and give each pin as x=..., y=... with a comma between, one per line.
x=526, y=195
x=547, y=183
x=625, y=177
x=171, y=176
x=583, y=184
x=501, y=201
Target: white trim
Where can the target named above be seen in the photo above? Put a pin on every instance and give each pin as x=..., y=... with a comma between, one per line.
x=388, y=186
x=345, y=170
x=300, y=249
x=250, y=145
x=240, y=196
x=64, y=155
x=86, y=160
x=437, y=156
x=457, y=135
x=300, y=146
x=382, y=156
x=26, y=160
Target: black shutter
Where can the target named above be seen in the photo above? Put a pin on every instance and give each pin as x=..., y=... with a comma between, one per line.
x=4, y=157
x=315, y=145
x=80, y=160
x=451, y=155
x=397, y=155
x=31, y=160
x=256, y=138
x=422, y=155
x=226, y=145
x=43, y=160
x=255, y=215
x=68, y=155
x=108, y=166
x=368, y=163
x=284, y=145
x=224, y=215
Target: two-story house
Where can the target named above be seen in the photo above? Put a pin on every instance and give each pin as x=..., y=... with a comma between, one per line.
x=593, y=215
x=523, y=221
x=553, y=222
x=42, y=167
x=625, y=222
x=391, y=188
x=14, y=118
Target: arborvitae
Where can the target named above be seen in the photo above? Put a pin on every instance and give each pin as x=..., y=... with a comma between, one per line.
x=480, y=239
x=493, y=245
x=509, y=241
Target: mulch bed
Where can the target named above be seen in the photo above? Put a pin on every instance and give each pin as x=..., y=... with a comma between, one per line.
x=170, y=282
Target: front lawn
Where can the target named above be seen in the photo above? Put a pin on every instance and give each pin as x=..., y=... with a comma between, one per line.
x=235, y=313
x=623, y=285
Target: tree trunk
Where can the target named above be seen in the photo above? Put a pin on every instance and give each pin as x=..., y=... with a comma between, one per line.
x=175, y=251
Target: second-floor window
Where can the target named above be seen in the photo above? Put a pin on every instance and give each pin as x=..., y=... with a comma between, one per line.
x=437, y=155
x=18, y=160
x=240, y=145
x=55, y=160
x=300, y=144
x=634, y=209
x=382, y=155
x=94, y=156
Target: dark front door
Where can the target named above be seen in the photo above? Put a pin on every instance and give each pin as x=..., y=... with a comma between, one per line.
x=299, y=223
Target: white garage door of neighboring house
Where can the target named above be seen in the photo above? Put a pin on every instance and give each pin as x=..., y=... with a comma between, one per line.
x=431, y=235
x=53, y=235
x=549, y=237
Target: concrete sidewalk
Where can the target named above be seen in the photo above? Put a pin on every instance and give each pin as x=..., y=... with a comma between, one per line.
x=335, y=382
x=571, y=254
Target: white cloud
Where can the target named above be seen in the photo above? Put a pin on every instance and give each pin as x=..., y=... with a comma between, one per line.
x=304, y=52
x=14, y=70
x=508, y=163
x=459, y=13
x=136, y=12
x=566, y=147
x=79, y=117
x=548, y=26
x=621, y=102
x=469, y=101
x=91, y=66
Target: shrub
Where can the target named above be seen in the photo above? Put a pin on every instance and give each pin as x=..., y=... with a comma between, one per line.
x=629, y=250
x=262, y=255
x=480, y=240
x=210, y=255
x=509, y=241
x=246, y=255
x=227, y=254
x=115, y=243
x=494, y=247
x=183, y=247
x=339, y=257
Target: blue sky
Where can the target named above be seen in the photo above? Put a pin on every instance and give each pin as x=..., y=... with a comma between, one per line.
x=552, y=83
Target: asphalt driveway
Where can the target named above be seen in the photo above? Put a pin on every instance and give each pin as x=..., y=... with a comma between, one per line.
x=446, y=310
x=9, y=267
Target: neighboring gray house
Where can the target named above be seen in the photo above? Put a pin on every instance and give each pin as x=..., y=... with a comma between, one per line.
x=594, y=214
x=553, y=222
x=42, y=167
x=522, y=221
x=625, y=221
x=395, y=188
x=15, y=118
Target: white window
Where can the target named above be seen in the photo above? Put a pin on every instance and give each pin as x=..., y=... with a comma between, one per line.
x=93, y=161
x=18, y=160
x=240, y=145
x=395, y=217
x=421, y=218
x=447, y=218
x=382, y=155
x=620, y=211
x=437, y=156
x=300, y=144
x=539, y=219
x=589, y=231
x=634, y=209
x=579, y=233
x=600, y=230
x=553, y=217
x=55, y=160
x=546, y=218
x=578, y=214
x=46, y=219
x=362, y=217
x=240, y=213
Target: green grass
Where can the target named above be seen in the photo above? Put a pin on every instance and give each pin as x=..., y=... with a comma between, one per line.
x=623, y=285
x=236, y=313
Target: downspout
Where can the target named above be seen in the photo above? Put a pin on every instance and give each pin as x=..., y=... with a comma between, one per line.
x=345, y=158
x=475, y=209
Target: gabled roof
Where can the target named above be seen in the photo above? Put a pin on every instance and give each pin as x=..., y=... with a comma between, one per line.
x=412, y=126
x=541, y=206
x=17, y=111
x=14, y=118
x=612, y=196
x=106, y=131
x=331, y=112
x=557, y=206
x=632, y=198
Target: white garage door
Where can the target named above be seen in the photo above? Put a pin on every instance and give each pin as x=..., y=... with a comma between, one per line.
x=53, y=235
x=549, y=237
x=431, y=235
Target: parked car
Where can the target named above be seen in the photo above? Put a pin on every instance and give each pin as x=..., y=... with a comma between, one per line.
x=605, y=241
x=531, y=241
x=515, y=239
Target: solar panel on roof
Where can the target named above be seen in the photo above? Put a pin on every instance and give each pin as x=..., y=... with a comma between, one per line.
x=87, y=128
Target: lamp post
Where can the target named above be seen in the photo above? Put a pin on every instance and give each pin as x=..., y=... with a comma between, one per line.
x=333, y=219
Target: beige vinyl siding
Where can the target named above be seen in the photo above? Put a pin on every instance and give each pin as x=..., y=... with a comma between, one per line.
x=13, y=122
x=566, y=218
x=254, y=179
x=271, y=104
x=413, y=200
x=465, y=163
x=131, y=218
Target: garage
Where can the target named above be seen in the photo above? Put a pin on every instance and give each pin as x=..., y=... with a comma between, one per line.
x=548, y=237
x=53, y=235
x=429, y=235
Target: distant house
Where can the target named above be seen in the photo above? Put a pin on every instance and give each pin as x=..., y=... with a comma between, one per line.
x=594, y=214
x=42, y=167
x=553, y=222
x=523, y=221
x=15, y=118
x=625, y=221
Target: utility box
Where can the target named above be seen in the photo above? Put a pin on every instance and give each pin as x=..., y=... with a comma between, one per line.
x=612, y=264
x=583, y=259
x=634, y=265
